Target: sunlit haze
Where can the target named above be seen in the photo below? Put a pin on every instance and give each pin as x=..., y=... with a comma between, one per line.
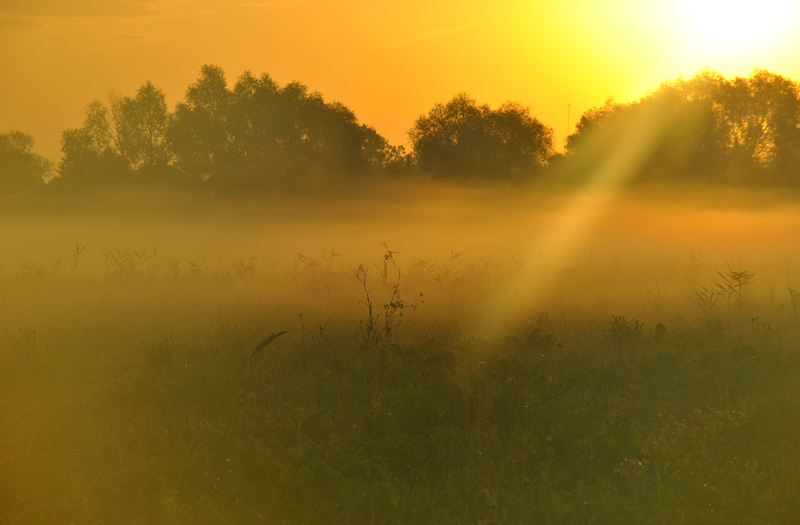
x=430, y=262
x=725, y=30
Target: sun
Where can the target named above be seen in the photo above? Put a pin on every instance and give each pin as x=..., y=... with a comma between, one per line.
x=723, y=28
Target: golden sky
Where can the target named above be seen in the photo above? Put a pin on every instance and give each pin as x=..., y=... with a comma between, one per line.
x=388, y=61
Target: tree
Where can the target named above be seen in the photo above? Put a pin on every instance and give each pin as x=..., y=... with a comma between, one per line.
x=590, y=125
x=382, y=157
x=759, y=118
x=198, y=132
x=258, y=135
x=127, y=136
x=316, y=137
x=20, y=168
x=254, y=134
x=522, y=142
x=463, y=137
x=709, y=127
x=279, y=135
x=91, y=153
x=141, y=126
x=690, y=142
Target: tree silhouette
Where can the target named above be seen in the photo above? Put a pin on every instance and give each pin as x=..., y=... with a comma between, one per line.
x=463, y=137
x=252, y=121
x=711, y=128
x=126, y=137
x=381, y=156
x=142, y=126
x=20, y=168
x=91, y=153
x=759, y=119
x=260, y=135
x=522, y=142
x=280, y=135
x=197, y=133
x=593, y=126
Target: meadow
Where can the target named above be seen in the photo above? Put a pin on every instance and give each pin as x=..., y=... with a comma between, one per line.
x=407, y=355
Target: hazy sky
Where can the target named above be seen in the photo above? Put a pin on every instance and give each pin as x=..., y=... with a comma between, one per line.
x=389, y=62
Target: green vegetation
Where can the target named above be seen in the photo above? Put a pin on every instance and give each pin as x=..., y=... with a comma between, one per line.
x=133, y=389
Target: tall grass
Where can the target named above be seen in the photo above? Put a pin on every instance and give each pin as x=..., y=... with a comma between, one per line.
x=661, y=393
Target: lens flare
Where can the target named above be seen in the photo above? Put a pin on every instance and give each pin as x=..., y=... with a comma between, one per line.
x=566, y=236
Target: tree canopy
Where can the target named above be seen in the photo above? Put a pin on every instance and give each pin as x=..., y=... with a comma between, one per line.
x=259, y=135
x=709, y=128
x=141, y=126
x=462, y=137
x=20, y=168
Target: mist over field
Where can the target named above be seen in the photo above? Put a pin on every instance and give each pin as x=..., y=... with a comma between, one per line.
x=256, y=309
x=506, y=253
x=530, y=330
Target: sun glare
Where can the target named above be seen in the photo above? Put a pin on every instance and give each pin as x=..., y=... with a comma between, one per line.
x=724, y=27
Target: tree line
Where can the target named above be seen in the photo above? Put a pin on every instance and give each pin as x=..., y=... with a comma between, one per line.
x=259, y=135
x=709, y=128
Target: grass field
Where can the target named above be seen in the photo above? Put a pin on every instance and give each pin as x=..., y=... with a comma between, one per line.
x=652, y=383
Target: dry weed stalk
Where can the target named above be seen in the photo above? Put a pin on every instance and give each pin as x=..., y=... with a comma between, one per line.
x=393, y=310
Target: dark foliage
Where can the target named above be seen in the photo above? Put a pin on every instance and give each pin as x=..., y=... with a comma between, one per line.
x=710, y=128
x=256, y=136
x=262, y=136
x=463, y=137
x=512, y=431
x=20, y=168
